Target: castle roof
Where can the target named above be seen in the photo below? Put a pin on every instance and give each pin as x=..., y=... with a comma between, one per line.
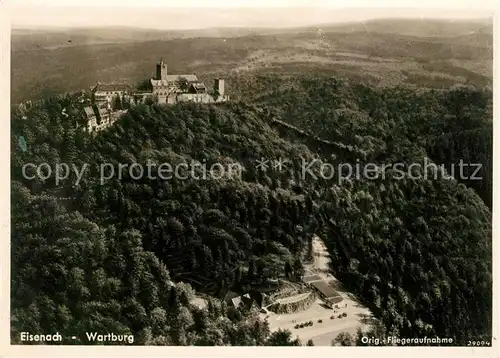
x=190, y=78
x=199, y=86
x=173, y=78
x=157, y=83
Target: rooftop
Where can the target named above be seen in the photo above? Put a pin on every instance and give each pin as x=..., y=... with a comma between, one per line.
x=236, y=301
x=174, y=78
x=230, y=295
x=89, y=112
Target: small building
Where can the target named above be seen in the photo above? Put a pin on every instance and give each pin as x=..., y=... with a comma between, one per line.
x=245, y=301
x=324, y=289
x=98, y=117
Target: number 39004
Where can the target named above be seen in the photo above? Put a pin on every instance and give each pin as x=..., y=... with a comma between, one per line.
x=478, y=343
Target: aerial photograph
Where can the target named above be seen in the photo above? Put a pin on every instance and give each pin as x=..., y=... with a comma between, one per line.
x=251, y=177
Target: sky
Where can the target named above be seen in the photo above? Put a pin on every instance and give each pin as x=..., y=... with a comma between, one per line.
x=164, y=15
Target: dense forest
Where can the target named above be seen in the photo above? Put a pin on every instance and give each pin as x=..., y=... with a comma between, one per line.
x=128, y=255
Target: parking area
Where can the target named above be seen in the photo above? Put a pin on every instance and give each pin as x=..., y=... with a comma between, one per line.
x=323, y=322
x=322, y=332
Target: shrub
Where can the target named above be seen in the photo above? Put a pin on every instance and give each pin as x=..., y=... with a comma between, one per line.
x=320, y=321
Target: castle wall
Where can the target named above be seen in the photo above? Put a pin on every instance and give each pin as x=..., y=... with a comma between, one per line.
x=161, y=99
x=107, y=96
x=172, y=99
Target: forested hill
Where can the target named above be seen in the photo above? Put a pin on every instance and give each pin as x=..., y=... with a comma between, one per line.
x=111, y=256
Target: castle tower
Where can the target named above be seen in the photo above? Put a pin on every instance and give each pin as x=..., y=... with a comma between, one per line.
x=161, y=70
x=219, y=86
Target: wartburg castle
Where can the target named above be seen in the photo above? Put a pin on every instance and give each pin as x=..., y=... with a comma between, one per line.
x=109, y=100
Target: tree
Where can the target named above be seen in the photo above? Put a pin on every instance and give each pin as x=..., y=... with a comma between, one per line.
x=288, y=269
x=380, y=234
x=343, y=339
x=282, y=338
x=251, y=271
x=310, y=343
x=183, y=84
x=117, y=103
x=144, y=85
x=298, y=269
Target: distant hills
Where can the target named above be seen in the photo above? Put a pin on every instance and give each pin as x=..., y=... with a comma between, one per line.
x=52, y=37
x=383, y=52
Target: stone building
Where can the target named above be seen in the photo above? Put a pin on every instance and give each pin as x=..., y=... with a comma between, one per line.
x=99, y=117
x=110, y=92
x=171, y=89
x=164, y=88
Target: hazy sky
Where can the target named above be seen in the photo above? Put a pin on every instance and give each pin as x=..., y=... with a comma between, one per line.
x=154, y=14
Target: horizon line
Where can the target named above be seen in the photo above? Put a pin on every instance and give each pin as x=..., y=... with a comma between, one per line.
x=260, y=27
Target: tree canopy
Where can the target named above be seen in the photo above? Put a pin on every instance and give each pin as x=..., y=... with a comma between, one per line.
x=129, y=254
